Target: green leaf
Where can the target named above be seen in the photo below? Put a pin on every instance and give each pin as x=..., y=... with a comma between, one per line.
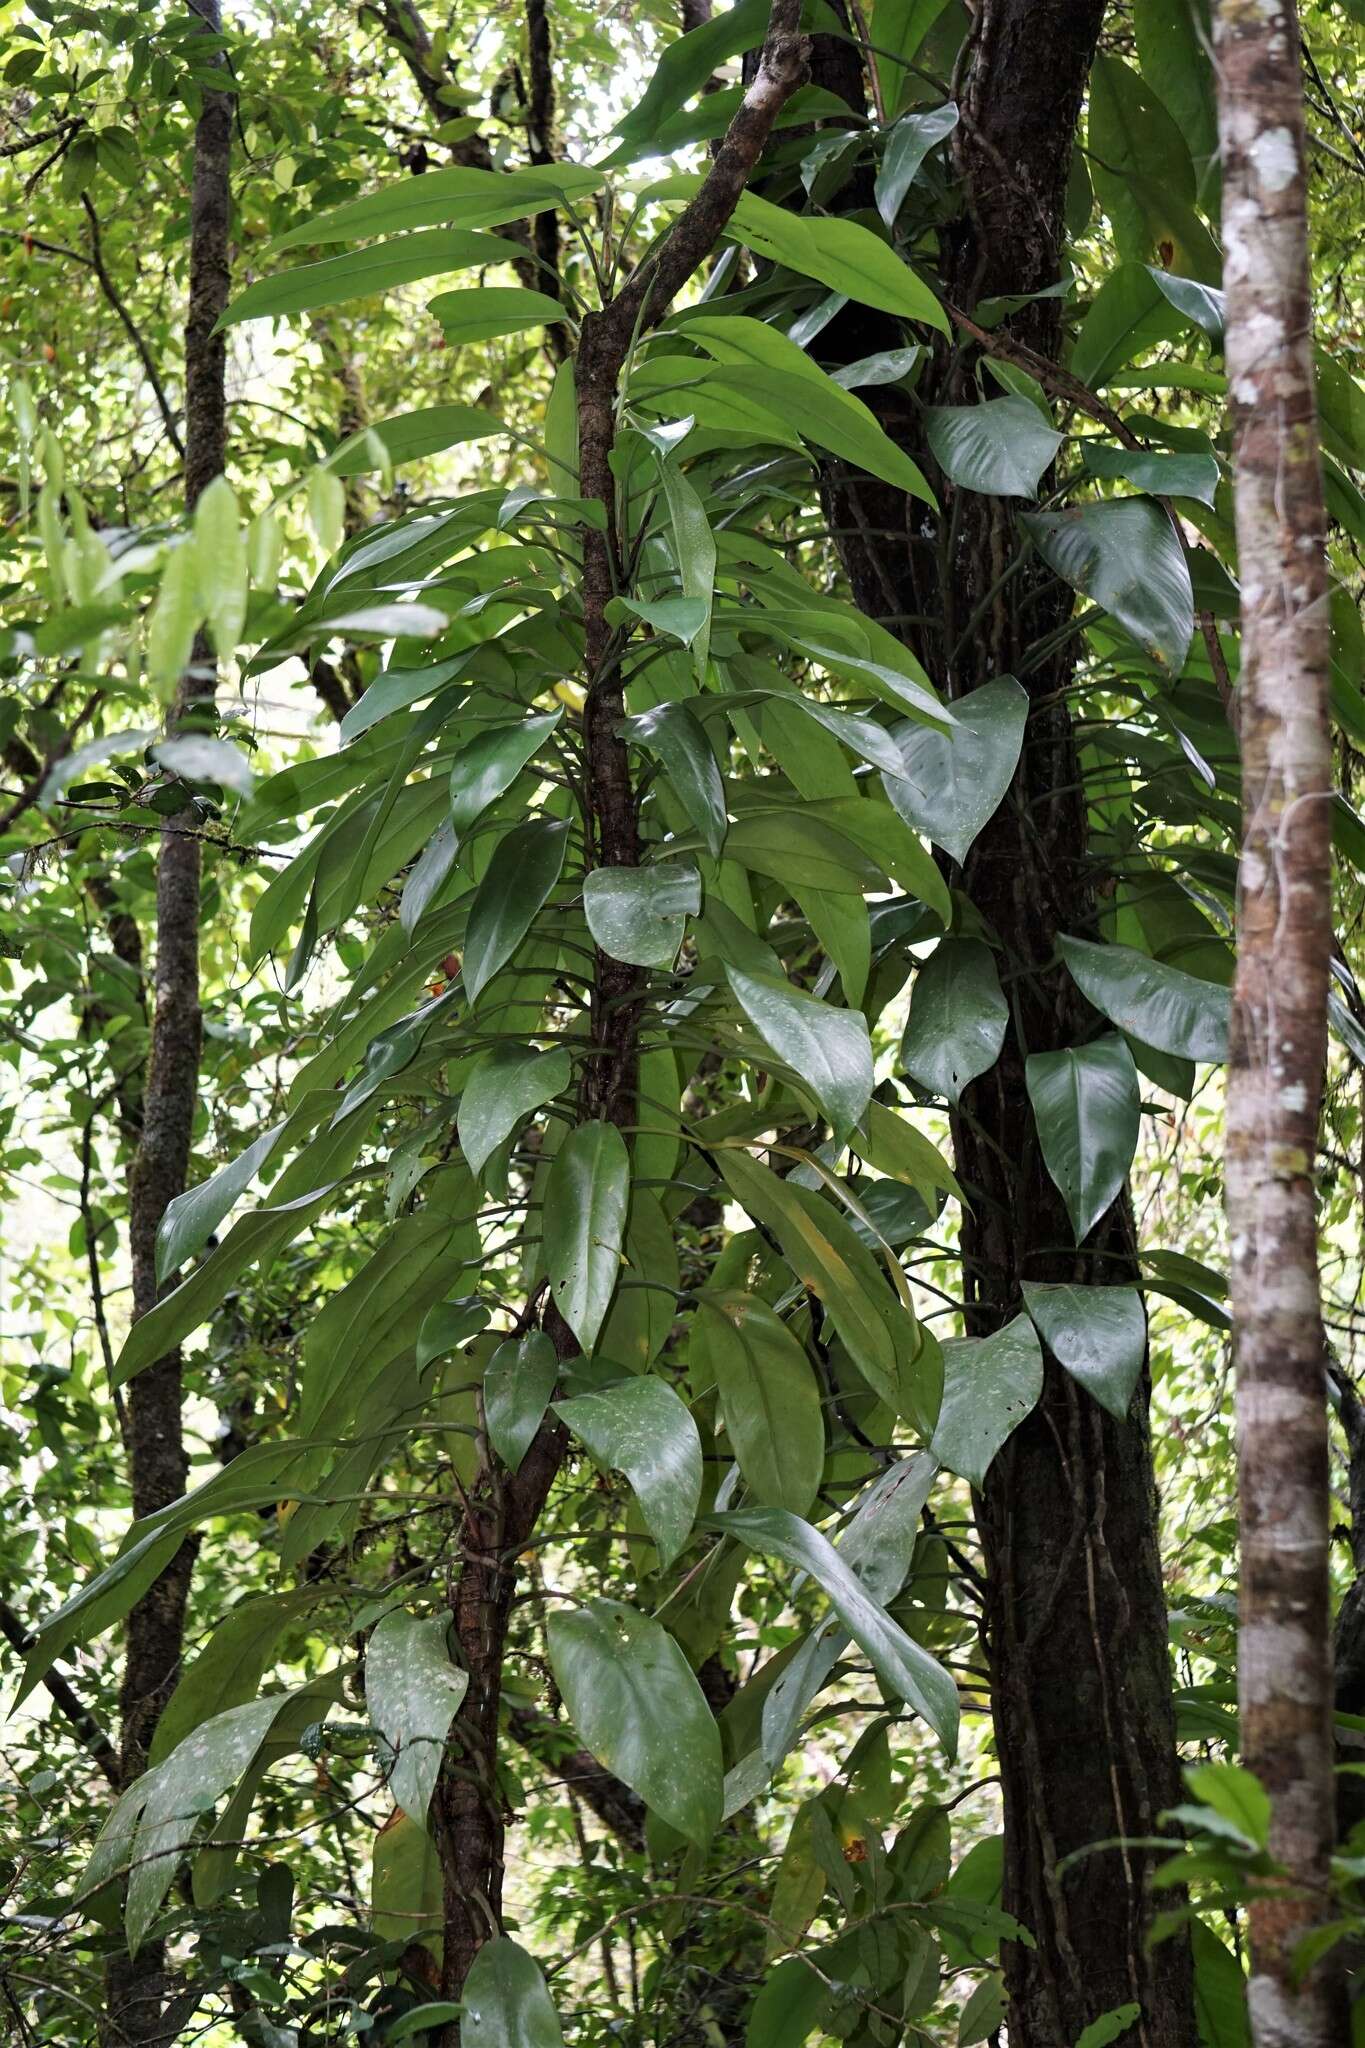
x=491, y=763
x=405, y=1883
x=643, y=1429
x=192, y=1218
x=1099, y=1334
x=984, y=2013
x=958, y=1017
x=790, y=2004
x=769, y=1399
x=1126, y=556
x=1163, y=1006
x=640, y=915
x=1143, y=174
x=517, y=1384
x=684, y=67
x=990, y=1384
x=694, y=549
x=1164, y=474
x=634, y=1700
x=525, y=867
x=410, y=435
x=1087, y=1106
x=413, y=1692
x=1128, y=316
x=587, y=1194
x=952, y=783
x=1201, y=304
x=681, y=618
x=364, y=271
x=838, y=253
x=902, y=1666
x=800, y=851
x=1220, y=1991
x=220, y=568
x=673, y=733
x=828, y=1049
x=907, y=145
x=231, y=1665
x=477, y=199
x=1236, y=1795
x=503, y=1087
x=1175, y=49
x=418, y=2019
x=424, y=878
x=505, y=2001
x=174, y=620
x=1109, y=2026
x=197, y=758
x=491, y=310
x=1000, y=447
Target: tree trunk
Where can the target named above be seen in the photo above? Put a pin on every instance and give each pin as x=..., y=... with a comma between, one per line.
x=1279, y=1008
x=1076, y=1624
x=153, y=1432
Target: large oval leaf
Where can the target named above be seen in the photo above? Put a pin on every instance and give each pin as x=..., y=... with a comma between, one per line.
x=674, y=734
x=483, y=314
x=768, y=1397
x=840, y=254
x=587, y=1194
x=1087, y=1105
x=503, y=1088
x=1163, y=1006
x=1098, y=1333
x=951, y=783
x=640, y=915
x=491, y=763
x=1126, y=556
x=413, y=1692
x=635, y=1701
x=1000, y=447
x=643, y=1429
x=989, y=1385
x=506, y=2003
x=958, y=1016
x=827, y=1048
x=517, y=1384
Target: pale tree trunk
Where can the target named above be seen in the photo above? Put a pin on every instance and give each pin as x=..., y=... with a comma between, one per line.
x=153, y=1432
x=1279, y=1013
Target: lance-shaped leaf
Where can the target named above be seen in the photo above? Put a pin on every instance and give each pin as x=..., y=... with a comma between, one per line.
x=504, y=1085
x=635, y=1701
x=769, y=1398
x=491, y=310
x=1165, y=473
x=989, y=1385
x=694, y=549
x=827, y=1048
x=517, y=1384
x=1126, y=556
x=838, y=253
x=525, y=866
x=640, y=915
x=362, y=271
x=227, y=1671
x=413, y=1692
x=1163, y=1006
x=674, y=734
x=1098, y=1333
x=491, y=763
x=505, y=2002
x=643, y=1429
x=1000, y=448
x=899, y=1662
x=1087, y=1105
x=474, y=198
x=191, y=1219
x=958, y=1016
x=408, y=436
x=220, y=567
x=907, y=145
x=951, y=783
x=587, y=1194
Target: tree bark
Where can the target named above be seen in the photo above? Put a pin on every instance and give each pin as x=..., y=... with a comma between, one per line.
x=1076, y=1625
x=153, y=1431
x=1279, y=1007
x=503, y=1508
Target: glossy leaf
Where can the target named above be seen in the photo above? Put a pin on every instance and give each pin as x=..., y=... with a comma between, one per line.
x=673, y=733
x=643, y=1429
x=491, y=763
x=1087, y=1106
x=769, y=1399
x=958, y=1017
x=1163, y=1006
x=587, y=1195
x=491, y=310
x=902, y=1666
x=990, y=1384
x=517, y=1384
x=504, y=1086
x=1000, y=447
x=413, y=1691
x=632, y=1696
x=827, y=1048
x=408, y=436
x=362, y=272
x=192, y=1218
x=524, y=869
x=1126, y=557
x=474, y=198
x=640, y=915
x=951, y=784
x=1098, y=1333
x=907, y=145
x=840, y=254
x=1164, y=473
x=506, y=2003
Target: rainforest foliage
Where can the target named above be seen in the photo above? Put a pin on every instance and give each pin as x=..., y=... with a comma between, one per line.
x=620, y=639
